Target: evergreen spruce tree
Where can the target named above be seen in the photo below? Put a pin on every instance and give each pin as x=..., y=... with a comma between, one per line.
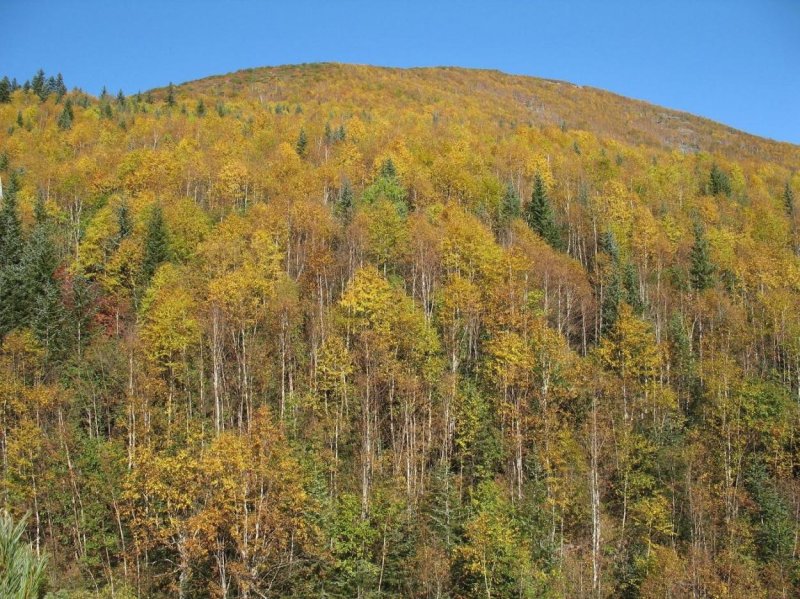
x=302, y=144
x=608, y=244
x=40, y=210
x=81, y=310
x=10, y=225
x=343, y=208
x=156, y=244
x=788, y=199
x=124, y=223
x=509, y=208
x=388, y=170
x=65, y=120
x=20, y=122
x=630, y=279
x=22, y=284
x=701, y=270
x=48, y=321
x=5, y=90
x=60, y=88
x=718, y=182
x=540, y=215
x=171, y=95
x=120, y=98
x=39, y=85
x=200, y=109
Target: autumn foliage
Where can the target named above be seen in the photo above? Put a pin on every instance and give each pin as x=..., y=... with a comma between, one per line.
x=342, y=331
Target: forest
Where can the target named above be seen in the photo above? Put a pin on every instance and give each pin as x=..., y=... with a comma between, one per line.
x=356, y=332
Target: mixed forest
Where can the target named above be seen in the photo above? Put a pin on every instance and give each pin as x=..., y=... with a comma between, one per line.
x=345, y=331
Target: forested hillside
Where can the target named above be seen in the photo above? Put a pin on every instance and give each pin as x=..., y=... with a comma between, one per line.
x=343, y=331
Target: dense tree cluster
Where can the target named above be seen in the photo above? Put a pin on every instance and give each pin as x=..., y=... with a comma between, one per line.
x=329, y=331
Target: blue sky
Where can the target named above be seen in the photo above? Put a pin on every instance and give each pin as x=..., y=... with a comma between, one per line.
x=734, y=61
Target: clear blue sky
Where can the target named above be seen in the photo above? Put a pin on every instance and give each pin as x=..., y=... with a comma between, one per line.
x=734, y=61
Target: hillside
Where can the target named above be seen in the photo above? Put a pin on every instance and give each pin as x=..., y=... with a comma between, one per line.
x=347, y=331
x=514, y=99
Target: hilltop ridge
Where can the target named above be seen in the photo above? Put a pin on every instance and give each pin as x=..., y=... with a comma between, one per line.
x=521, y=99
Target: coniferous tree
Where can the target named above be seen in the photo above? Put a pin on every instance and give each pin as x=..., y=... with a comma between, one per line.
x=60, y=88
x=509, y=208
x=343, y=208
x=48, y=320
x=39, y=85
x=718, y=182
x=388, y=170
x=701, y=270
x=120, y=98
x=156, y=244
x=10, y=225
x=171, y=95
x=540, y=215
x=124, y=223
x=631, y=283
x=20, y=122
x=302, y=144
x=40, y=210
x=5, y=90
x=788, y=199
x=200, y=109
x=65, y=120
x=22, y=284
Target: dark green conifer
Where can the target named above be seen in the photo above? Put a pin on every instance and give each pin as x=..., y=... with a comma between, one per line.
x=65, y=120
x=5, y=90
x=10, y=225
x=301, y=146
x=540, y=215
x=701, y=270
x=788, y=199
x=388, y=170
x=171, y=95
x=156, y=244
x=124, y=223
x=718, y=182
x=509, y=208
x=39, y=85
x=60, y=88
x=343, y=207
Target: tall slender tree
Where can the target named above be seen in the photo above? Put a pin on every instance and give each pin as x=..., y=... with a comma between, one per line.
x=701, y=269
x=540, y=216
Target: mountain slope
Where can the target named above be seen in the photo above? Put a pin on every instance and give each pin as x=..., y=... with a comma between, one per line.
x=517, y=99
x=346, y=331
